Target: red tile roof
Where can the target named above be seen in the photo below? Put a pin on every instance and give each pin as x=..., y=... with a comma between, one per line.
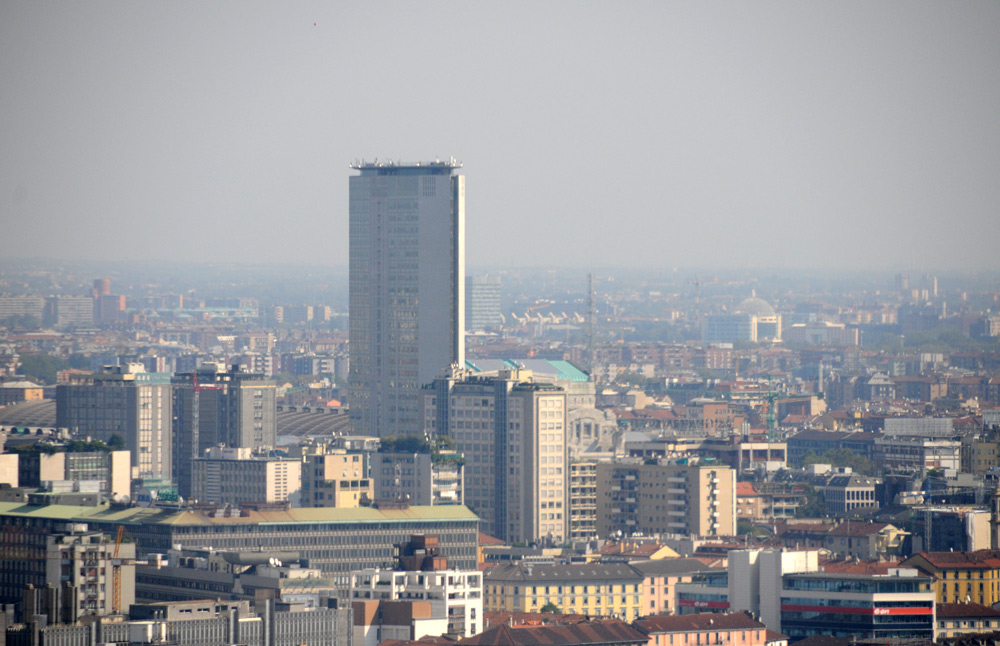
x=850, y=566
x=609, y=631
x=697, y=623
x=961, y=610
x=857, y=529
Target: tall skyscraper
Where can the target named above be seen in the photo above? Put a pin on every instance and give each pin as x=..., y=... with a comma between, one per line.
x=482, y=302
x=407, y=288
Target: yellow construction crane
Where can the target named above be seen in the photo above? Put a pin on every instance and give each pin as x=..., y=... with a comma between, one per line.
x=116, y=575
x=116, y=572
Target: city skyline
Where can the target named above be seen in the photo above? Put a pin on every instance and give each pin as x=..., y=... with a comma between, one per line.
x=645, y=135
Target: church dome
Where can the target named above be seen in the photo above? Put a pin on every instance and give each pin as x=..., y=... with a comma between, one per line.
x=756, y=306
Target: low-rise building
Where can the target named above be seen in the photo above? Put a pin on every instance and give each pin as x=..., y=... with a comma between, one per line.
x=190, y=574
x=593, y=589
x=729, y=629
x=336, y=478
x=661, y=579
x=605, y=632
x=112, y=470
x=954, y=619
x=201, y=623
x=431, y=478
x=848, y=492
x=234, y=476
x=961, y=577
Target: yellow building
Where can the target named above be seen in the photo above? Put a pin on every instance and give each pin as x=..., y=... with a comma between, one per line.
x=337, y=479
x=594, y=589
x=961, y=577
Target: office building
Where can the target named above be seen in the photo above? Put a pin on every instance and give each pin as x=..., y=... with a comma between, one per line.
x=201, y=623
x=407, y=289
x=429, y=478
x=752, y=320
x=893, y=606
x=482, y=302
x=670, y=496
x=190, y=574
x=227, y=476
x=125, y=401
x=24, y=306
x=336, y=541
x=214, y=406
x=112, y=470
x=512, y=433
x=63, y=312
x=748, y=583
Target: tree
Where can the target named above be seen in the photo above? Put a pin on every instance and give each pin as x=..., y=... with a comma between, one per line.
x=815, y=506
x=550, y=607
x=116, y=443
x=841, y=458
x=42, y=367
x=21, y=322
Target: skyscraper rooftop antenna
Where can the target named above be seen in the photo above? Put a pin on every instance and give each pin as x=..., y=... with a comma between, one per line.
x=591, y=315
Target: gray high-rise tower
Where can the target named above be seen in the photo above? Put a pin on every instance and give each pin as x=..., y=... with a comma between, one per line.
x=407, y=288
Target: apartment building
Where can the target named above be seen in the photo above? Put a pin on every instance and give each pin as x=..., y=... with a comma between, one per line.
x=722, y=629
x=594, y=589
x=430, y=478
x=76, y=562
x=960, y=577
x=582, y=501
x=336, y=478
x=512, y=432
x=669, y=496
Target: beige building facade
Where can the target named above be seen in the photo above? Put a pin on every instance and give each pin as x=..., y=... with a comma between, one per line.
x=338, y=479
x=670, y=496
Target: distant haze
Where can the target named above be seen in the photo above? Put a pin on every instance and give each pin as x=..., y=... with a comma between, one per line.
x=640, y=134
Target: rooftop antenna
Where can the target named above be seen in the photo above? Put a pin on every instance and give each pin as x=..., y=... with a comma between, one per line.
x=591, y=315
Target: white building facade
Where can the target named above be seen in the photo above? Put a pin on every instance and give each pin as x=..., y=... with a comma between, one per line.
x=455, y=596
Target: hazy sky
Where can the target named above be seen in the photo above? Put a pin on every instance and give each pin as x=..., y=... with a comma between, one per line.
x=798, y=134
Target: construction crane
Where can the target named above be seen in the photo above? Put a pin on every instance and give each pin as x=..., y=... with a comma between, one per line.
x=116, y=572
x=116, y=575
x=697, y=293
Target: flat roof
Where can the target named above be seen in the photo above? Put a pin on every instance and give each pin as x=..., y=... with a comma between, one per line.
x=161, y=516
x=396, y=167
